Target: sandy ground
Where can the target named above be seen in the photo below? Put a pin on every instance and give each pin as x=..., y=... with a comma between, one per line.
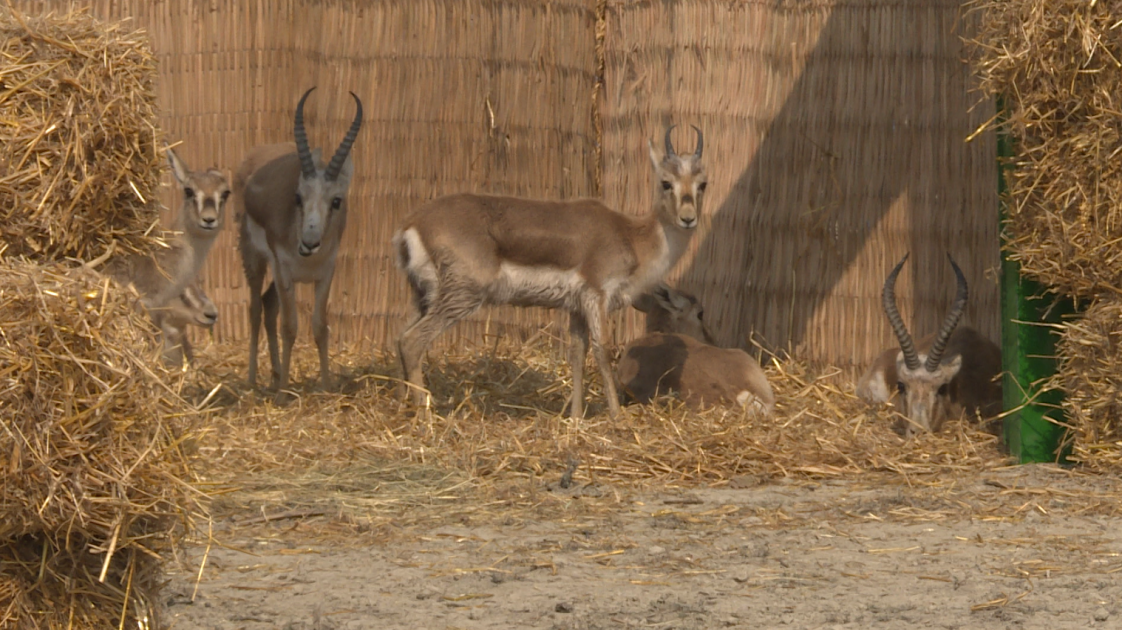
x=795, y=554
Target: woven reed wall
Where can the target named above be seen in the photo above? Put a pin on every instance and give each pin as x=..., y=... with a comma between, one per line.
x=834, y=137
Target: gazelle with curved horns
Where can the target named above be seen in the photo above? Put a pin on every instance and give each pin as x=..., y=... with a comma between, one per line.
x=292, y=214
x=463, y=251
x=953, y=370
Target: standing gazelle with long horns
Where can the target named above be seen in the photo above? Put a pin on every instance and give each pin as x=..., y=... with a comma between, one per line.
x=292, y=212
x=463, y=251
x=953, y=370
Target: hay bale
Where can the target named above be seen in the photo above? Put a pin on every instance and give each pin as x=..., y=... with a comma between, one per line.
x=78, y=159
x=90, y=471
x=1056, y=64
x=1091, y=374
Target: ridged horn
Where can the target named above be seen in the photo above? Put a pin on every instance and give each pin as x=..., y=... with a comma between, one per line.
x=940, y=343
x=307, y=164
x=888, y=297
x=340, y=156
x=700, y=143
x=669, y=145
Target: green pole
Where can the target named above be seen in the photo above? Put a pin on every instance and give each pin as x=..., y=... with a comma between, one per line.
x=1028, y=347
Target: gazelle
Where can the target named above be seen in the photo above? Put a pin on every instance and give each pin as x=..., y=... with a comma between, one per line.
x=161, y=278
x=292, y=212
x=677, y=355
x=191, y=308
x=463, y=251
x=953, y=370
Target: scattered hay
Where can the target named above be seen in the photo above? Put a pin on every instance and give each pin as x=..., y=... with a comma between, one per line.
x=499, y=414
x=1091, y=374
x=1058, y=66
x=91, y=476
x=78, y=166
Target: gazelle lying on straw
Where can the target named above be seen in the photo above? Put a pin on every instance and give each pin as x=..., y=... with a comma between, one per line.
x=292, y=211
x=953, y=370
x=162, y=278
x=677, y=355
x=464, y=251
x=191, y=308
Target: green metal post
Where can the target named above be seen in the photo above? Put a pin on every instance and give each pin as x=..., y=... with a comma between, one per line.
x=1028, y=349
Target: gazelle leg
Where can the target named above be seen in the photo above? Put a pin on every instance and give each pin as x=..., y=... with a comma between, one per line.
x=596, y=323
x=272, y=310
x=286, y=290
x=415, y=340
x=320, y=330
x=578, y=349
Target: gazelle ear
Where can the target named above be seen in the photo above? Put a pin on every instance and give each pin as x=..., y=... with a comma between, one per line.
x=178, y=168
x=656, y=161
x=679, y=300
x=664, y=296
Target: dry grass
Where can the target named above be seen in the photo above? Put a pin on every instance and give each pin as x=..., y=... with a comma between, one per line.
x=1091, y=374
x=352, y=466
x=92, y=480
x=499, y=410
x=1056, y=64
x=79, y=166
x=498, y=437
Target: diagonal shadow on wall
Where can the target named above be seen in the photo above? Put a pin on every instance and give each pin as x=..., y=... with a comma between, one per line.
x=865, y=160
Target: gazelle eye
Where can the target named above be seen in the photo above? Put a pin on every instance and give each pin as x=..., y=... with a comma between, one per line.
x=700, y=313
x=701, y=186
x=225, y=195
x=299, y=201
x=189, y=193
x=667, y=185
x=336, y=202
x=943, y=390
x=900, y=387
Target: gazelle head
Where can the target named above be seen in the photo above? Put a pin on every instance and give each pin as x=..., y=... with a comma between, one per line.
x=195, y=307
x=321, y=194
x=672, y=311
x=924, y=378
x=204, y=198
x=681, y=182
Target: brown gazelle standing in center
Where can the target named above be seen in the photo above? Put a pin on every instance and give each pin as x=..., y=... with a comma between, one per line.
x=464, y=251
x=953, y=370
x=292, y=212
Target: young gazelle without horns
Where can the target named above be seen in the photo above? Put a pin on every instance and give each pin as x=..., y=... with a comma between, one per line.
x=464, y=251
x=191, y=308
x=944, y=374
x=677, y=355
x=161, y=278
x=292, y=212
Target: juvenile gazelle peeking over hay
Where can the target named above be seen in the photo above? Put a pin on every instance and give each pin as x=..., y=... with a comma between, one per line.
x=944, y=374
x=161, y=278
x=191, y=308
x=292, y=212
x=677, y=355
x=464, y=251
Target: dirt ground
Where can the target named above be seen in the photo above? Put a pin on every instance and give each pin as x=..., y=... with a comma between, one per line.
x=795, y=554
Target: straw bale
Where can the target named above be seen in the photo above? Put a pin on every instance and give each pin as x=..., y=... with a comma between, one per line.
x=91, y=474
x=1056, y=65
x=78, y=165
x=1090, y=372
